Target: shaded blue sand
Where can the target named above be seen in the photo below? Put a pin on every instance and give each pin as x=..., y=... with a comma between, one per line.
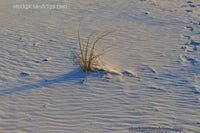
x=75, y=75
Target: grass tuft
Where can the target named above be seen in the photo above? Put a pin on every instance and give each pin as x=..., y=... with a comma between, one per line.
x=87, y=57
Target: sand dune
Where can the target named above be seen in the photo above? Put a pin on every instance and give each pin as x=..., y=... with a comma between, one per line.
x=150, y=77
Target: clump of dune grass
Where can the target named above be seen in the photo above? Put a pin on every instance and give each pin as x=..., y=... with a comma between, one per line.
x=88, y=57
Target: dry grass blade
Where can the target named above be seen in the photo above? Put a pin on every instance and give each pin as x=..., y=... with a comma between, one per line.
x=80, y=43
x=87, y=57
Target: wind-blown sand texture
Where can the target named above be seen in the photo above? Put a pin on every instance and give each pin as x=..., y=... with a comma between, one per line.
x=150, y=78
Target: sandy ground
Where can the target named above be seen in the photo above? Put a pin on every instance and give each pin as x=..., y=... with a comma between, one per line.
x=155, y=52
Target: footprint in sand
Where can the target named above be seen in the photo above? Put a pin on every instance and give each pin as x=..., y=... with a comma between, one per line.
x=188, y=37
x=24, y=74
x=192, y=35
x=149, y=69
x=129, y=73
x=194, y=43
x=188, y=10
x=191, y=5
x=190, y=28
x=185, y=59
x=191, y=46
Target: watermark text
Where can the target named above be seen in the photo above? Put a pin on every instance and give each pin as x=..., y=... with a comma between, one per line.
x=42, y=6
x=154, y=129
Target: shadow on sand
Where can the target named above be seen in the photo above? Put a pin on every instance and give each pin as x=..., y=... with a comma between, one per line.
x=76, y=76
